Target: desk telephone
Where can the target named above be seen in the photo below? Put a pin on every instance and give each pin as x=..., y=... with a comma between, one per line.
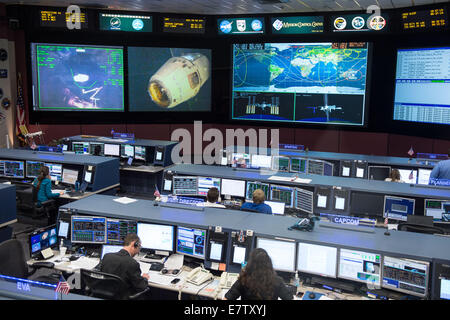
x=228, y=279
x=199, y=276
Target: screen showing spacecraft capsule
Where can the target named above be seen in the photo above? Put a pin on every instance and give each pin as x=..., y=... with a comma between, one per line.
x=169, y=79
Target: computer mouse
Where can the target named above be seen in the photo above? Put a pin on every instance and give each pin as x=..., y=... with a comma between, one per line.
x=312, y=295
x=175, y=271
x=164, y=271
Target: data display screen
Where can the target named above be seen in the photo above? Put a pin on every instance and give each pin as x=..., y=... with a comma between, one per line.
x=184, y=25
x=125, y=22
x=60, y=18
x=424, y=19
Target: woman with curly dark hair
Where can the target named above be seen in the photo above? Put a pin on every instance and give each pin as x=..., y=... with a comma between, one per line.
x=258, y=280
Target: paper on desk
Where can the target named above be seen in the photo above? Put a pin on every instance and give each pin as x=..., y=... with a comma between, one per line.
x=159, y=279
x=84, y=263
x=125, y=200
x=145, y=267
x=175, y=261
x=324, y=297
x=290, y=179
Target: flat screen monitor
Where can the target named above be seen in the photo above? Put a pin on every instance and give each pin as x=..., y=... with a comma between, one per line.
x=253, y=185
x=360, y=266
x=283, y=194
x=69, y=176
x=408, y=175
x=379, y=172
x=407, y=276
x=398, y=208
x=423, y=176
x=97, y=149
x=239, y=254
x=438, y=209
x=277, y=207
x=422, y=92
x=206, y=183
x=43, y=239
x=33, y=168
x=156, y=236
x=281, y=252
x=140, y=153
x=112, y=150
x=234, y=188
x=280, y=163
x=88, y=229
x=126, y=151
x=80, y=147
x=321, y=83
x=107, y=248
x=55, y=171
x=169, y=79
x=317, y=259
x=63, y=229
x=12, y=168
x=191, y=242
x=298, y=165
x=240, y=160
x=366, y=204
x=69, y=77
x=185, y=185
x=259, y=161
x=118, y=229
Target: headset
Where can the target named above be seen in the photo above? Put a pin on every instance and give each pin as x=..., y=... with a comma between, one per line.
x=137, y=243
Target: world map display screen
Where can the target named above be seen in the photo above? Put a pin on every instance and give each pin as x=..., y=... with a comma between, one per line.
x=300, y=82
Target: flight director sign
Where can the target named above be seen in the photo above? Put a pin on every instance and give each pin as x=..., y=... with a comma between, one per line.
x=297, y=25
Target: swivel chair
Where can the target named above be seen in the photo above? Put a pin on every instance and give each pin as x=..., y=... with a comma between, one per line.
x=27, y=202
x=13, y=263
x=106, y=286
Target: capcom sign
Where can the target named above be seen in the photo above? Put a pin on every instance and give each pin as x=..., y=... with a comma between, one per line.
x=339, y=219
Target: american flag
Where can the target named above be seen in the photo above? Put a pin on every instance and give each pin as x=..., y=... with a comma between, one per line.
x=63, y=286
x=411, y=151
x=20, y=109
x=156, y=193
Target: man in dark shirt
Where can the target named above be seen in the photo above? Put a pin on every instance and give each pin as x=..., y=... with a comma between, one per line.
x=123, y=265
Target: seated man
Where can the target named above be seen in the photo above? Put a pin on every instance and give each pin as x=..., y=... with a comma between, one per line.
x=212, y=198
x=258, y=203
x=123, y=265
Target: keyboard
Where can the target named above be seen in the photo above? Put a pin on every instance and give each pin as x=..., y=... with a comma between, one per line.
x=74, y=193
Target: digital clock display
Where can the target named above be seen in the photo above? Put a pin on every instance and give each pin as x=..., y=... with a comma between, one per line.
x=425, y=19
x=58, y=18
x=184, y=25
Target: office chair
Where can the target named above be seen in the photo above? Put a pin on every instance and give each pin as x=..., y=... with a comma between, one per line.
x=420, y=220
x=250, y=210
x=13, y=263
x=420, y=228
x=106, y=286
x=27, y=201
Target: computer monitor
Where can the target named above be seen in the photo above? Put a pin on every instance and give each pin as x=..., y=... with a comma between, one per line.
x=42, y=239
x=405, y=275
x=118, y=229
x=206, y=183
x=280, y=163
x=97, y=149
x=398, y=208
x=185, y=185
x=88, y=229
x=234, y=188
x=156, y=237
x=140, y=153
x=191, y=242
x=298, y=165
x=315, y=167
x=277, y=207
x=440, y=283
x=126, y=151
x=360, y=266
x=80, y=147
x=33, y=168
x=379, y=172
x=55, y=171
x=423, y=176
x=69, y=176
x=259, y=161
x=253, y=185
x=408, y=175
x=281, y=252
x=366, y=204
x=107, y=248
x=112, y=150
x=283, y=194
x=438, y=209
x=304, y=200
x=240, y=160
x=317, y=259
x=13, y=169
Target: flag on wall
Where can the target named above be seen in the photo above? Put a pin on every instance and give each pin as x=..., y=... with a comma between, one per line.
x=156, y=193
x=411, y=151
x=21, y=129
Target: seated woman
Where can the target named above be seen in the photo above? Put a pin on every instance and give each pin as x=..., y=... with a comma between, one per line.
x=394, y=176
x=258, y=204
x=43, y=184
x=258, y=281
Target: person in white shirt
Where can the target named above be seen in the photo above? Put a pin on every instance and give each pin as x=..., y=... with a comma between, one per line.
x=394, y=176
x=212, y=198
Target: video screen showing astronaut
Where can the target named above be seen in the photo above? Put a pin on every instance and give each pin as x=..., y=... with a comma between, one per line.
x=77, y=77
x=169, y=79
